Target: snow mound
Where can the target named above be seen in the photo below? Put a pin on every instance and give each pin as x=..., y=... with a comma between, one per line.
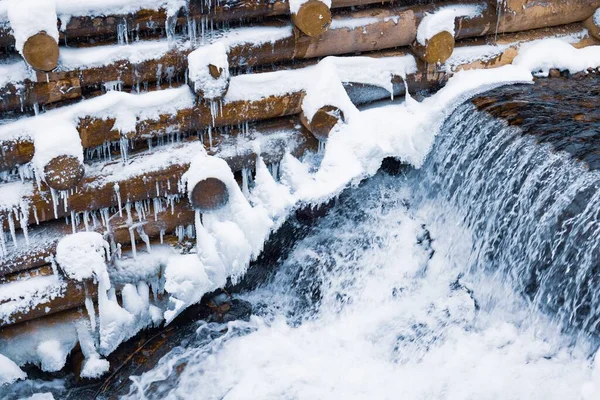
x=83, y=256
x=9, y=371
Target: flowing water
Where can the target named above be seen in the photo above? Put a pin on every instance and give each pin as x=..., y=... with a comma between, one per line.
x=474, y=277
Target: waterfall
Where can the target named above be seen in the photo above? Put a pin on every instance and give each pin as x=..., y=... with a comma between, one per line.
x=534, y=213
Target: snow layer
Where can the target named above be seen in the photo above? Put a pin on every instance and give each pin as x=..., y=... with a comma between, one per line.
x=83, y=255
x=14, y=72
x=541, y=56
x=199, y=73
x=28, y=17
x=9, y=371
x=443, y=20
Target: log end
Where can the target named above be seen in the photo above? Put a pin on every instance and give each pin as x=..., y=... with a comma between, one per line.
x=41, y=52
x=323, y=121
x=63, y=172
x=438, y=48
x=312, y=18
x=209, y=194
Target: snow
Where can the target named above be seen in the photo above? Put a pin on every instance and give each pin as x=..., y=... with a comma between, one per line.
x=29, y=17
x=596, y=17
x=9, y=371
x=199, y=73
x=443, y=20
x=14, y=72
x=352, y=23
x=99, y=56
x=22, y=296
x=83, y=255
x=541, y=56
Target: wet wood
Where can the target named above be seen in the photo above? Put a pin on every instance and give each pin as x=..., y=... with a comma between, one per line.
x=592, y=25
x=312, y=18
x=41, y=52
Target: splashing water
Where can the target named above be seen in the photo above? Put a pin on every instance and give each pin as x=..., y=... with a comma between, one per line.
x=455, y=281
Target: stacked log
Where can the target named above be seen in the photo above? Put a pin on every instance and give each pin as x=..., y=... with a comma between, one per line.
x=133, y=197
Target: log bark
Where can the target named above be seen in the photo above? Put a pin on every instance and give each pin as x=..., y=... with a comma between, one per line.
x=32, y=327
x=73, y=296
x=209, y=194
x=312, y=18
x=41, y=52
x=438, y=49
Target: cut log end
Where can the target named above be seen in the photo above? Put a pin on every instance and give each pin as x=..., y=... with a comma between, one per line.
x=313, y=18
x=215, y=71
x=437, y=49
x=209, y=195
x=41, y=52
x=592, y=27
x=63, y=172
x=323, y=121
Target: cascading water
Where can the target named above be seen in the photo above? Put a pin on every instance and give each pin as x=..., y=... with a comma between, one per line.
x=455, y=281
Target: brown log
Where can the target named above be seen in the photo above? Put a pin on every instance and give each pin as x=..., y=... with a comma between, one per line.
x=88, y=195
x=396, y=26
x=323, y=121
x=41, y=52
x=312, y=18
x=592, y=26
x=44, y=270
x=28, y=328
x=73, y=296
x=209, y=194
x=63, y=172
x=26, y=96
x=437, y=49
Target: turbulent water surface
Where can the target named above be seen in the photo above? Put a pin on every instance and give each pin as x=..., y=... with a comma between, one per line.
x=474, y=277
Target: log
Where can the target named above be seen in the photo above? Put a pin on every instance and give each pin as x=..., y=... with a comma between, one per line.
x=74, y=296
x=323, y=121
x=97, y=191
x=592, y=24
x=209, y=194
x=63, y=172
x=385, y=28
x=437, y=49
x=41, y=52
x=28, y=328
x=313, y=17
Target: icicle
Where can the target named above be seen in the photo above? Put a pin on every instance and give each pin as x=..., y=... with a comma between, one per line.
x=145, y=238
x=24, y=220
x=89, y=307
x=11, y=227
x=73, y=226
x=86, y=215
x=132, y=238
x=118, y=194
x=124, y=149
x=3, y=250
x=54, y=202
x=322, y=144
x=245, y=188
x=162, y=235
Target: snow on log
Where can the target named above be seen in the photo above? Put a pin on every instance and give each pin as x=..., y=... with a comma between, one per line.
x=312, y=17
x=592, y=24
x=39, y=296
x=33, y=23
x=208, y=71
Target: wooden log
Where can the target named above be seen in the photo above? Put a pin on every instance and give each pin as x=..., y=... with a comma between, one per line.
x=313, y=17
x=63, y=172
x=41, y=52
x=73, y=296
x=437, y=49
x=27, y=328
x=209, y=194
x=323, y=121
x=97, y=191
x=592, y=24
